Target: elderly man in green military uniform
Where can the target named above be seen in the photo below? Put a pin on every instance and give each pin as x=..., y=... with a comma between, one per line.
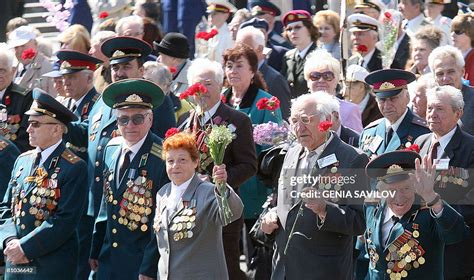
x=44, y=199
x=407, y=230
x=399, y=127
x=133, y=173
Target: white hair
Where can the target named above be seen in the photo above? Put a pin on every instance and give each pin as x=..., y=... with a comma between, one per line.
x=159, y=74
x=321, y=58
x=129, y=20
x=438, y=92
x=257, y=36
x=425, y=81
x=445, y=51
x=8, y=54
x=101, y=36
x=325, y=104
x=200, y=64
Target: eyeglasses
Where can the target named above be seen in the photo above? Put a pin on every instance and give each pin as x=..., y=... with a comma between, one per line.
x=304, y=119
x=327, y=76
x=137, y=119
x=36, y=124
x=294, y=28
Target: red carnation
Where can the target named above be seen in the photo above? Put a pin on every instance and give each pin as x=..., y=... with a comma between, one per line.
x=414, y=148
x=170, y=132
x=223, y=99
x=273, y=103
x=28, y=54
x=388, y=15
x=103, y=15
x=324, y=126
x=194, y=90
x=8, y=100
x=362, y=48
x=207, y=35
x=262, y=103
x=184, y=95
x=172, y=69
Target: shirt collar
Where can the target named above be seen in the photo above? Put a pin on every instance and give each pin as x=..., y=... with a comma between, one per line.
x=415, y=21
x=319, y=150
x=79, y=100
x=388, y=215
x=134, y=148
x=47, y=152
x=444, y=140
x=302, y=53
x=364, y=103
x=396, y=124
x=2, y=92
x=181, y=187
x=210, y=113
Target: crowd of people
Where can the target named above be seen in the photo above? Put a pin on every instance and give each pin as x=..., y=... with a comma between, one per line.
x=109, y=167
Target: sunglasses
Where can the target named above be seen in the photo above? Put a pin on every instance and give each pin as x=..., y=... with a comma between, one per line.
x=36, y=124
x=295, y=28
x=458, y=32
x=137, y=119
x=327, y=76
x=304, y=119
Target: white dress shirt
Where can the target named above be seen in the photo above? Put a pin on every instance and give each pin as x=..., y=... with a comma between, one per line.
x=443, y=142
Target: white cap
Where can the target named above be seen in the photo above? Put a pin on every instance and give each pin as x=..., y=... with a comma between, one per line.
x=21, y=36
x=356, y=73
x=361, y=22
x=220, y=5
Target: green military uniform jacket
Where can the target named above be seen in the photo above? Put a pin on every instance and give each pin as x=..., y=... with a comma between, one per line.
x=42, y=208
x=123, y=228
x=415, y=246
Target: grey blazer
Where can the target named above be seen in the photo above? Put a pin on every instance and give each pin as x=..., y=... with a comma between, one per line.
x=320, y=251
x=202, y=255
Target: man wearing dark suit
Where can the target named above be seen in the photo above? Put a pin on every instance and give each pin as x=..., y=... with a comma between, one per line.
x=134, y=172
x=277, y=85
x=45, y=198
x=316, y=232
x=447, y=65
x=240, y=157
x=399, y=127
x=452, y=150
x=17, y=101
x=349, y=136
x=371, y=112
x=403, y=52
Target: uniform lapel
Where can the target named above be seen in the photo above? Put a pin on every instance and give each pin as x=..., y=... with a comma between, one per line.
x=453, y=143
x=187, y=195
x=381, y=131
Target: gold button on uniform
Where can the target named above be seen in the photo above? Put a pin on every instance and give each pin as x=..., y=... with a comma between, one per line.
x=22, y=226
x=97, y=163
x=97, y=179
x=115, y=202
x=115, y=244
x=114, y=217
x=114, y=230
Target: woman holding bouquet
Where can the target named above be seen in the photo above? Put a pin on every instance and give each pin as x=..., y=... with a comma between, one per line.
x=189, y=216
x=246, y=92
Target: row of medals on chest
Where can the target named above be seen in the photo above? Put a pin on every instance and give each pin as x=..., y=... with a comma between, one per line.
x=137, y=202
x=404, y=254
x=44, y=197
x=184, y=222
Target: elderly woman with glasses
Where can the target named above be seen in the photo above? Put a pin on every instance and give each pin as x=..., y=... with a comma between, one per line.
x=302, y=34
x=247, y=87
x=462, y=35
x=322, y=73
x=316, y=232
x=188, y=221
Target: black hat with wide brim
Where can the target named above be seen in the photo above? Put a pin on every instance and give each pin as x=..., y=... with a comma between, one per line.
x=393, y=166
x=45, y=105
x=124, y=49
x=174, y=45
x=133, y=93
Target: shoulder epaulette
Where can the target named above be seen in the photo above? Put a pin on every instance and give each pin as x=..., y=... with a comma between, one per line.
x=156, y=150
x=419, y=121
x=95, y=97
x=70, y=156
x=115, y=141
x=374, y=123
x=3, y=144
